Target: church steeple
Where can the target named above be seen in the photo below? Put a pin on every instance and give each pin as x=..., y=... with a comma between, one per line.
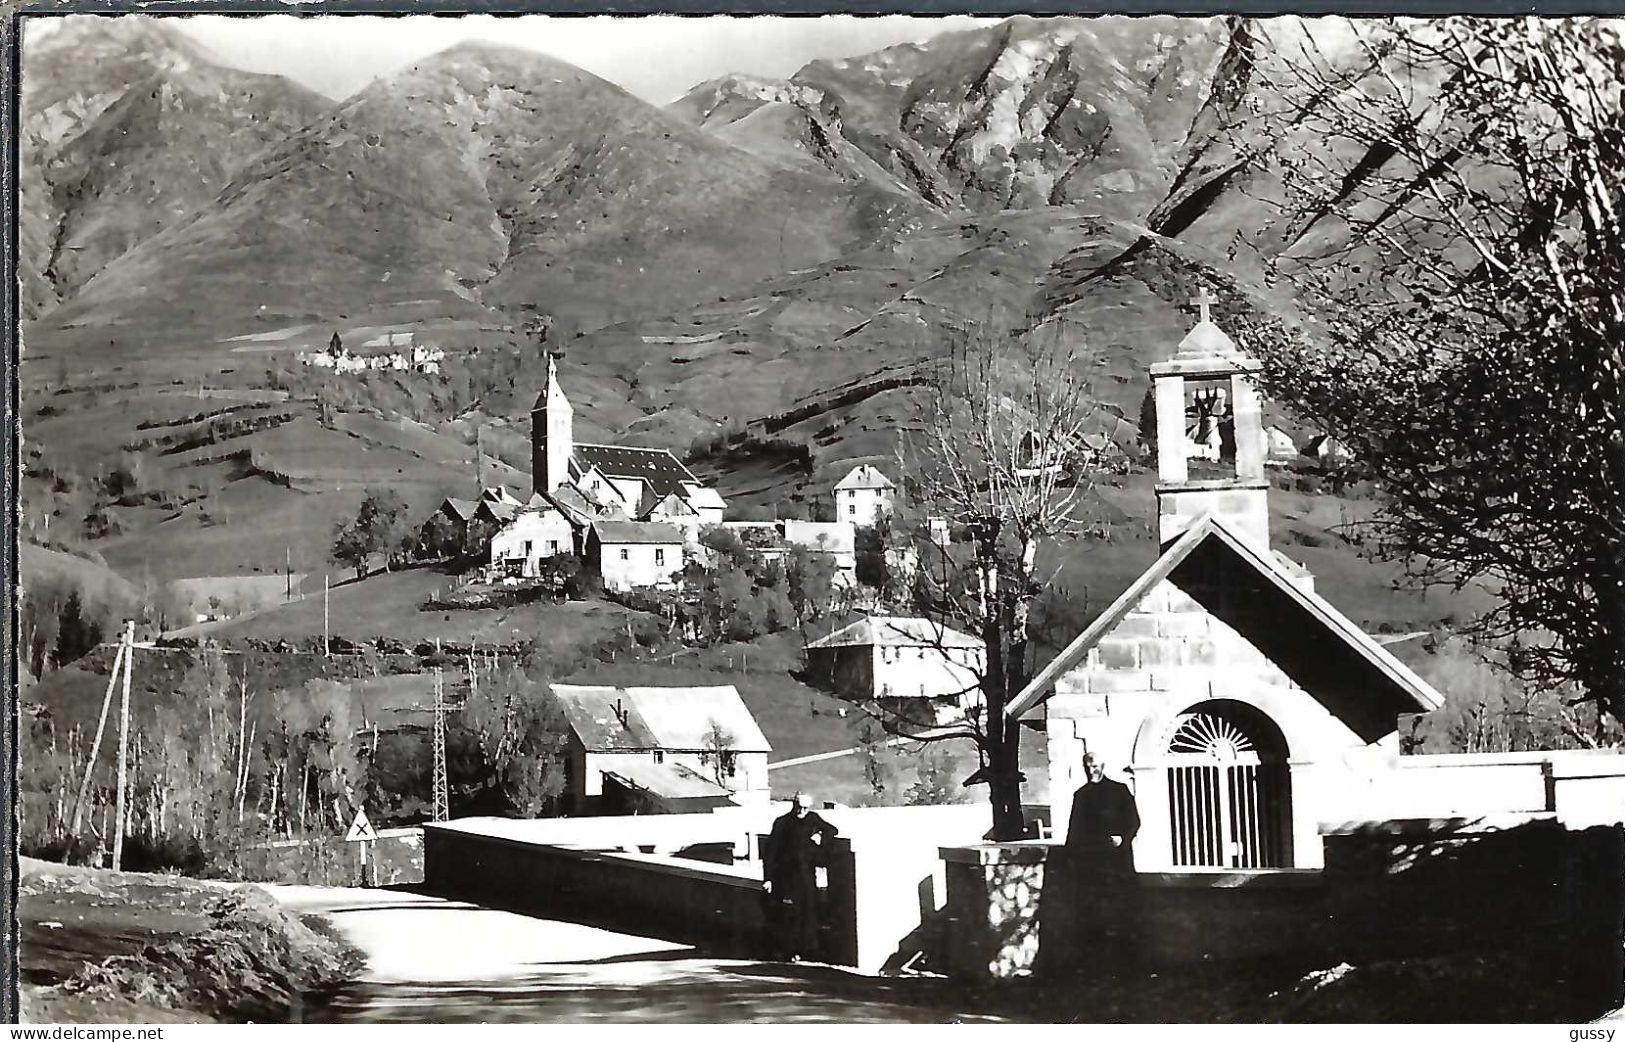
x=1210, y=435
x=552, y=433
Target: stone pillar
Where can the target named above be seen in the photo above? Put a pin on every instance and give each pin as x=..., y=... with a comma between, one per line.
x=993, y=904
x=1153, y=851
x=1170, y=394
x=1249, y=427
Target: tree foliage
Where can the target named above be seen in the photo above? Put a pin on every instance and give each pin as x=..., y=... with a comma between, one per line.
x=1455, y=235
x=379, y=527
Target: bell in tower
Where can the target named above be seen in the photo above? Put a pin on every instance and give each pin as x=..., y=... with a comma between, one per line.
x=1210, y=435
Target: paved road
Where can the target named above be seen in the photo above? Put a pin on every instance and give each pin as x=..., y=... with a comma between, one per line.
x=436, y=961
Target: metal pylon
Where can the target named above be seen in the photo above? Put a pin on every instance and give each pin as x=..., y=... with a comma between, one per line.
x=442, y=794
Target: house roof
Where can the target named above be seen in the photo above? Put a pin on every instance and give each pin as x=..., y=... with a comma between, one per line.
x=657, y=468
x=499, y=511
x=864, y=476
x=1258, y=593
x=579, y=508
x=499, y=494
x=896, y=631
x=545, y=512
x=462, y=509
x=702, y=498
x=637, y=532
x=673, y=504
x=671, y=718
x=667, y=781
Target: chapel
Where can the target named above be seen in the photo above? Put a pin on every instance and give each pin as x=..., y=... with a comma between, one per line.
x=1242, y=708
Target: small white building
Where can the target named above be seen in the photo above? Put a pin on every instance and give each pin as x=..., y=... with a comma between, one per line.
x=632, y=554
x=1330, y=451
x=676, y=511
x=1279, y=447
x=763, y=538
x=706, y=502
x=838, y=539
x=661, y=749
x=914, y=668
x=863, y=496
x=535, y=534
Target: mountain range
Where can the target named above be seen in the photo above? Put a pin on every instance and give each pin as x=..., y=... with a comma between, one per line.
x=769, y=255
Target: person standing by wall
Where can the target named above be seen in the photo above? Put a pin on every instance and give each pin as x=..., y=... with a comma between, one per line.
x=1100, y=838
x=798, y=844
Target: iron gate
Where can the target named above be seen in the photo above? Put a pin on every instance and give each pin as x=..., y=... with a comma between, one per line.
x=1227, y=799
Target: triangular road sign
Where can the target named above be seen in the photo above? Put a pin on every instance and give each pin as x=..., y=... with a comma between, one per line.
x=360, y=829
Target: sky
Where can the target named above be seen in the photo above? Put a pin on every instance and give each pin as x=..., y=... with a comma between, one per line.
x=657, y=58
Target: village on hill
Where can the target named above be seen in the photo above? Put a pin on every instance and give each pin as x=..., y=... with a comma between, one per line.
x=1051, y=521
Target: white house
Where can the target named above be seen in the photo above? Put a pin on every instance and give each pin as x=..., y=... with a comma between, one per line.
x=630, y=554
x=535, y=534
x=660, y=749
x=914, y=668
x=677, y=511
x=1278, y=446
x=706, y=502
x=838, y=539
x=863, y=495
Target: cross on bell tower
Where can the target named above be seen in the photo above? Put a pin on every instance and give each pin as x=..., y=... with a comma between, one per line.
x=1211, y=377
x=1203, y=301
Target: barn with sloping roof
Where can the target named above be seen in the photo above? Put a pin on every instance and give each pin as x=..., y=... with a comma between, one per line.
x=646, y=749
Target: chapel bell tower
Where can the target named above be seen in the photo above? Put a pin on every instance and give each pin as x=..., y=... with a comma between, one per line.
x=552, y=434
x=1210, y=435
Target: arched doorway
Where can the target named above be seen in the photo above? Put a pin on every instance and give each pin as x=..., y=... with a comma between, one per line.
x=1229, y=791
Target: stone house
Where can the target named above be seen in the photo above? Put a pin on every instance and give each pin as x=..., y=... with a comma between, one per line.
x=631, y=554
x=660, y=749
x=536, y=533
x=863, y=495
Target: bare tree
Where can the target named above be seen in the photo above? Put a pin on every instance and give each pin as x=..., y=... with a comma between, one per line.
x=1454, y=231
x=998, y=451
x=719, y=752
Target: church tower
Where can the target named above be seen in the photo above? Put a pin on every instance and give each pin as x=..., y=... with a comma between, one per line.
x=552, y=434
x=1210, y=435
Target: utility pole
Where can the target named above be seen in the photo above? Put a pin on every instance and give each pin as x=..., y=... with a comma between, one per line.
x=287, y=568
x=96, y=743
x=442, y=796
x=123, y=745
x=326, y=651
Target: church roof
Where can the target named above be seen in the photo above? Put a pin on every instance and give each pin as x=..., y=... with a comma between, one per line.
x=1256, y=593
x=658, y=468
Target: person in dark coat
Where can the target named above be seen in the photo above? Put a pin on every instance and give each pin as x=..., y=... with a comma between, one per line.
x=797, y=845
x=1100, y=836
x=1104, y=821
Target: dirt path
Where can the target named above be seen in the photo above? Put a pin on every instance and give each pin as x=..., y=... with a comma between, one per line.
x=437, y=961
